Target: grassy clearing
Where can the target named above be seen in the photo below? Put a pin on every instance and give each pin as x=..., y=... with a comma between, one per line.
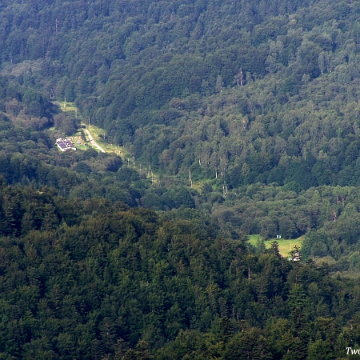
x=79, y=142
x=68, y=107
x=285, y=245
x=253, y=239
x=96, y=132
x=98, y=135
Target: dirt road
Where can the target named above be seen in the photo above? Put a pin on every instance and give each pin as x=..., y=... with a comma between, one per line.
x=93, y=142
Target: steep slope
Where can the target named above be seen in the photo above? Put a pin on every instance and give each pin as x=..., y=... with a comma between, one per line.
x=224, y=94
x=261, y=91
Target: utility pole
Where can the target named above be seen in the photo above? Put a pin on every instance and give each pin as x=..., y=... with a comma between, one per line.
x=242, y=78
x=190, y=179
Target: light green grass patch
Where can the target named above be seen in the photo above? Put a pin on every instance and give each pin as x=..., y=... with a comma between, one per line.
x=98, y=135
x=66, y=106
x=285, y=245
x=96, y=132
x=254, y=238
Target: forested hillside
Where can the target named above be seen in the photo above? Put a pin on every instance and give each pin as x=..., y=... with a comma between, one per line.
x=237, y=118
x=95, y=280
x=263, y=92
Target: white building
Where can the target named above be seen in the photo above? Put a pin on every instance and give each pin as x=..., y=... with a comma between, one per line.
x=65, y=144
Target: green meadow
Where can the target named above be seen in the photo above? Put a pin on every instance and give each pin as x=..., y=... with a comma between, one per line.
x=285, y=245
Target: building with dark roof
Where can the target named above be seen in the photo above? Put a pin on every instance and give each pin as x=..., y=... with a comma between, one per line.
x=65, y=144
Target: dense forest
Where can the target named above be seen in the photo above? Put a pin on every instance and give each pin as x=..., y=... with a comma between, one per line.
x=95, y=279
x=264, y=91
x=238, y=118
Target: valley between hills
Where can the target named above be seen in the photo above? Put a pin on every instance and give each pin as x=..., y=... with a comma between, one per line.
x=211, y=209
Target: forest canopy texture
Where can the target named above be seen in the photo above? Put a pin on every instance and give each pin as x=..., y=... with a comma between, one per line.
x=236, y=118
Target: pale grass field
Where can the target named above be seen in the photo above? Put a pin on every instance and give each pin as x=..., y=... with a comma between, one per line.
x=285, y=245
